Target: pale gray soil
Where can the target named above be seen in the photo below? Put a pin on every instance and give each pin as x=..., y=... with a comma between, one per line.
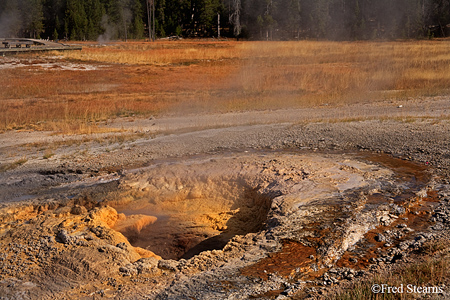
x=317, y=170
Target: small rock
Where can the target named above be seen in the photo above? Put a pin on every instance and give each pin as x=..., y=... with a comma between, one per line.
x=81, y=243
x=122, y=246
x=333, y=270
x=438, y=227
x=146, y=265
x=128, y=270
x=100, y=232
x=353, y=260
x=380, y=238
x=168, y=264
x=404, y=245
x=64, y=237
x=396, y=211
x=385, y=220
x=78, y=210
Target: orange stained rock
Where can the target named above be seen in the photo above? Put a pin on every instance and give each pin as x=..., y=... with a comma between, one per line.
x=294, y=257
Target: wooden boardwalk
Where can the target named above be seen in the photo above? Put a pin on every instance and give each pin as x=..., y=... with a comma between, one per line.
x=18, y=45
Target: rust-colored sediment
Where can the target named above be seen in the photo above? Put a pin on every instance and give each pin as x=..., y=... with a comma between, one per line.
x=417, y=218
x=267, y=295
x=406, y=170
x=293, y=258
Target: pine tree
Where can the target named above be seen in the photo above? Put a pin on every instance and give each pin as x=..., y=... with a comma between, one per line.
x=31, y=16
x=137, y=27
x=94, y=10
x=260, y=19
x=76, y=20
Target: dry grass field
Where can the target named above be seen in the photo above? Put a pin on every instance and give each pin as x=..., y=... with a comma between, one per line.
x=143, y=79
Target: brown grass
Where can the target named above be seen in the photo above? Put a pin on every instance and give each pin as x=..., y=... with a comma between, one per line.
x=432, y=272
x=142, y=79
x=160, y=53
x=13, y=165
x=429, y=270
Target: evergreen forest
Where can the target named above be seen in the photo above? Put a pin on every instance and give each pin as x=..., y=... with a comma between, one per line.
x=248, y=19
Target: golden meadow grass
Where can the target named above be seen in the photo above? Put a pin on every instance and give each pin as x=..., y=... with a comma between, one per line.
x=160, y=53
x=137, y=78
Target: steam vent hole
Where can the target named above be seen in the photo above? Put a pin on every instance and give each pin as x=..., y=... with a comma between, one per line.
x=180, y=210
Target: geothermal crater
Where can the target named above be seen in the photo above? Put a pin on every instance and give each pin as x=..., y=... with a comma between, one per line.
x=190, y=210
x=179, y=209
x=238, y=215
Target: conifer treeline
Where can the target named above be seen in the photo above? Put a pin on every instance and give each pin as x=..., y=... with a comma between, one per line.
x=254, y=19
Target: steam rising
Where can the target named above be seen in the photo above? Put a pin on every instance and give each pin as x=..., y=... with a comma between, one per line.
x=109, y=30
x=10, y=23
x=112, y=30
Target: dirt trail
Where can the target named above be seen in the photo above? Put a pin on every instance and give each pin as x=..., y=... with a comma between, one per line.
x=237, y=205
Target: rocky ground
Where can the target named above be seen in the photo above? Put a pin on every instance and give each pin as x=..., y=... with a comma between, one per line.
x=262, y=205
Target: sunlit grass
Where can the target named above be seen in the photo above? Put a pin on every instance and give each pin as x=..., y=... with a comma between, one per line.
x=431, y=270
x=142, y=79
x=159, y=53
x=332, y=72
